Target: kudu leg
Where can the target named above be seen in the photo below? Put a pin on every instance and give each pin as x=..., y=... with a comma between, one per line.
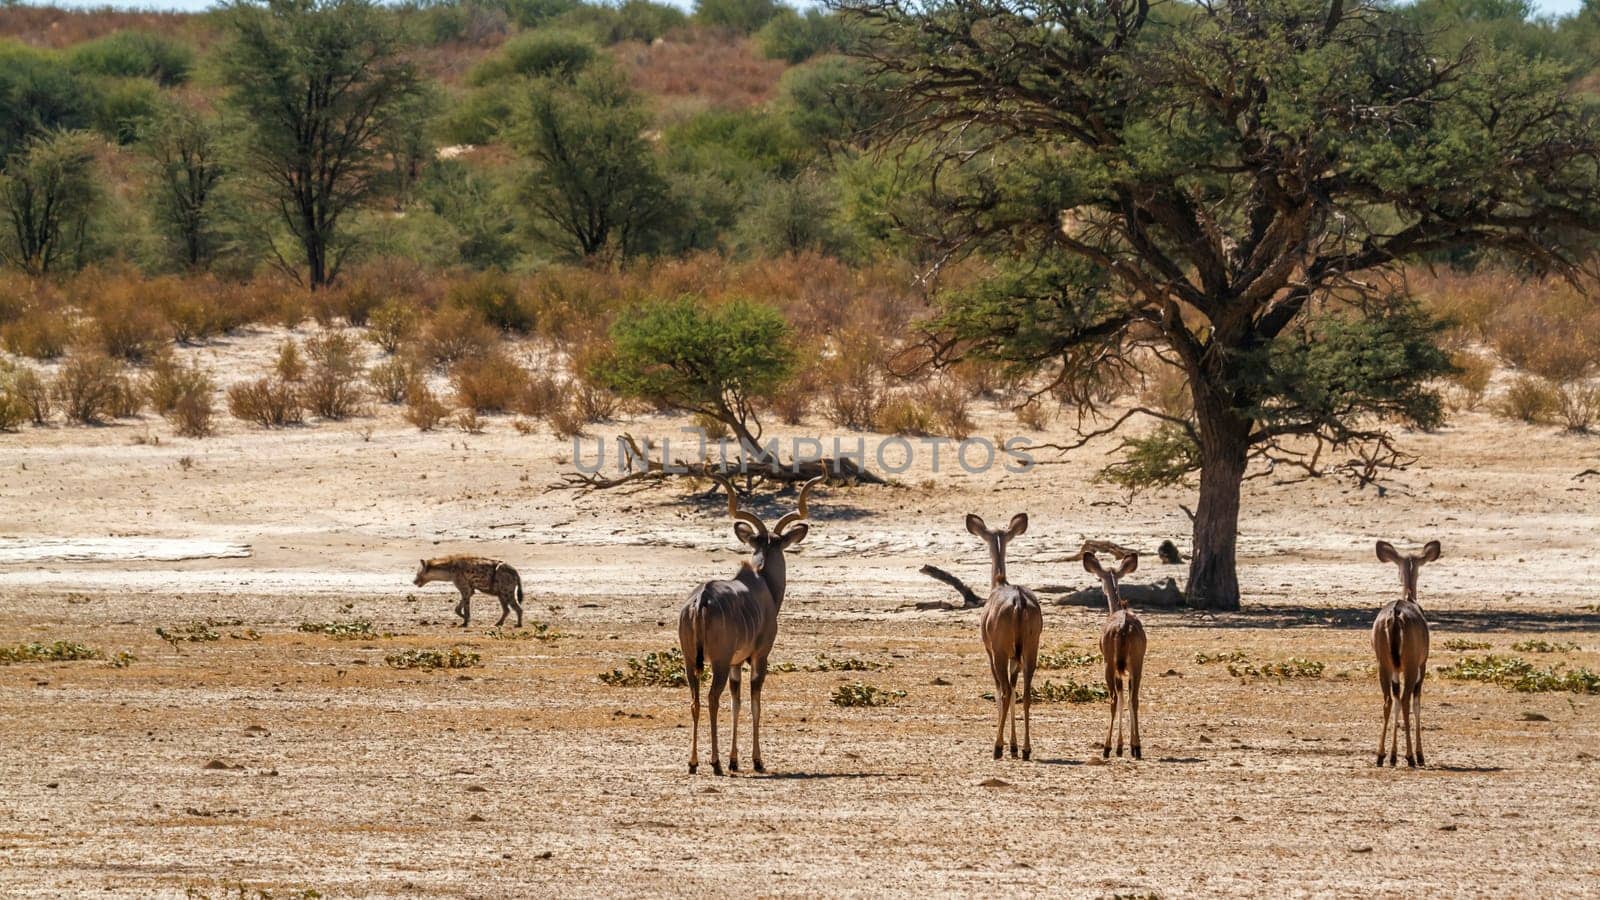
x=1394, y=733
x=1002, y=704
x=733, y=740
x=758, y=677
x=1133, y=712
x=1406, y=695
x=1028, y=664
x=1112, y=688
x=1013, y=669
x=719, y=680
x=693, y=674
x=1388, y=704
x=1416, y=716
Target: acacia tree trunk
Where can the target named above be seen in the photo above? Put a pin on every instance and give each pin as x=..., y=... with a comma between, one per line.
x=1224, y=448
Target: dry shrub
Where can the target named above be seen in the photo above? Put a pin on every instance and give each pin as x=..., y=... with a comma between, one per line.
x=269, y=401
x=182, y=394
x=714, y=428
x=495, y=297
x=1552, y=332
x=575, y=306
x=982, y=378
x=423, y=407
x=352, y=300
x=333, y=388
x=191, y=307
x=1578, y=405
x=28, y=386
x=392, y=324
x=13, y=412
x=567, y=422
x=127, y=398
x=90, y=386
x=489, y=383
x=1470, y=381
x=593, y=403
x=853, y=388
x=541, y=395
x=1165, y=389
x=1034, y=415
x=128, y=320
x=1469, y=302
x=290, y=365
x=455, y=333
x=392, y=379
x=947, y=402
x=467, y=420
x=40, y=332
x=903, y=414
x=793, y=401
x=1529, y=399
x=703, y=68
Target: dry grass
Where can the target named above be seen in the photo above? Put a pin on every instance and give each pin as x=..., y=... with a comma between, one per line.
x=701, y=69
x=423, y=407
x=91, y=387
x=455, y=333
x=269, y=401
x=491, y=382
x=391, y=380
x=332, y=387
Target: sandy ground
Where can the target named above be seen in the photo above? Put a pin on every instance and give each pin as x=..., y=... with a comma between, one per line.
x=295, y=762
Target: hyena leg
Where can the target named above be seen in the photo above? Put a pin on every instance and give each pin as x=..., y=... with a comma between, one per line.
x=465, y=609
x=505, y=608
x=511, y=598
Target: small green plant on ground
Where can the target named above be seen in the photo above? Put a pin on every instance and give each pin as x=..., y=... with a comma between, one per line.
x=656, y=669
x=189, y=633
x=56, y=651
x=341, y=631
x=1294, y=667
x=538, y=631
x=1229, y=656
x=1465, y=644
x=1539, y=645
x=826, y=663
x=1517, y=674
x=428, y=660
x=857, y=693
x=1068, y=691
x=1067, y=657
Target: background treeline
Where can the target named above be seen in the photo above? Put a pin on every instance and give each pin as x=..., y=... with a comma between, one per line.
x=540, y=169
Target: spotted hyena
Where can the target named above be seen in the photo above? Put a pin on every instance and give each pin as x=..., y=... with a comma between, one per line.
x=475, y=573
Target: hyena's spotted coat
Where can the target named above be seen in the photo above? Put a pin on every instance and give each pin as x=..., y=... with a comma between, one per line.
x=475, y=573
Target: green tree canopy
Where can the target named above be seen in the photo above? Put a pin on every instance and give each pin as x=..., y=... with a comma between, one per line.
x=593, y=181
x=716, y=362
x=1228, y=187
x=317, y=84
x=48, y=193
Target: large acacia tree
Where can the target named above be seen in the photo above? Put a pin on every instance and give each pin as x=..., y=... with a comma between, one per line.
x=1227, y=188
x=319, y=85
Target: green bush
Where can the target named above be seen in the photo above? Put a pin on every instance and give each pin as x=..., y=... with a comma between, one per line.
x=796, y=37
x=745, y=16
x=126, y=105
x=712, y=361
x=536, y=54
x=135, y=54
x=496, y=298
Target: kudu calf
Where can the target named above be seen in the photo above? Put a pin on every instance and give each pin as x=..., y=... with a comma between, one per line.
x=1010, y=625
x=1400, y=641
x=1122, y=644
x=728, y=623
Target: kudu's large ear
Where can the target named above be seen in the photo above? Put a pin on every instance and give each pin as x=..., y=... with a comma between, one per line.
x=1128, y=566
x=1091, y=564
x=1430, y=552
x=794, y=535
x=976, y=526
x=1019, y=524
x=745, y=533
x=1387, y=553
